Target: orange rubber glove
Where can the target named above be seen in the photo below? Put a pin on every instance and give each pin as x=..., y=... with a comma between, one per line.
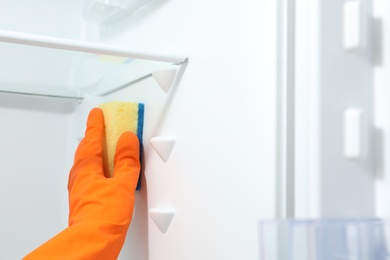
x=100, y=208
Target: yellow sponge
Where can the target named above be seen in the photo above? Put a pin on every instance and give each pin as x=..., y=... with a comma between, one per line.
x=120, y=117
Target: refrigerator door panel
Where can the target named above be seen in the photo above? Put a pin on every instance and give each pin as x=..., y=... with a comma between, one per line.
x=334, y=112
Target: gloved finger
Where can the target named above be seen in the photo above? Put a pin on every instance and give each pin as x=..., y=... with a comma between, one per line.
x=89, y=151
x=92, y=144
x=126, y=160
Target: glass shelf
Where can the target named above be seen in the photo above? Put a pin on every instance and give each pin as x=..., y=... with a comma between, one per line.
x=48, y=66
x=324, y=239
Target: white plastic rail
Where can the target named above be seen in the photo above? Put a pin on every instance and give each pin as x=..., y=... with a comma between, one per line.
x=83, y=46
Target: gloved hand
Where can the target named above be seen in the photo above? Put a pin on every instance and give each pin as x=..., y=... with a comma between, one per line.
x=100, y=208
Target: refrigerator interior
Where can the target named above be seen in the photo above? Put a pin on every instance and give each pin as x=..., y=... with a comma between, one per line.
x=342, y=166
x=47, y=93
x=213, y=111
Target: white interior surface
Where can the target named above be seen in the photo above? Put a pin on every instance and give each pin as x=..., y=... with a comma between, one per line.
x=220, y=177
x=34, y=135
x=41, y=68
x=34, y=155
x=53, y=18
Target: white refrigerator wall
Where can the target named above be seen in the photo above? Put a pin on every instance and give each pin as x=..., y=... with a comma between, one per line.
x=34, y=163
x=220, y=177
x=55, y=18
x=35, y=132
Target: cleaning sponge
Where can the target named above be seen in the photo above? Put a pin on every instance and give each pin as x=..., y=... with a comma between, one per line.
x=120, y=117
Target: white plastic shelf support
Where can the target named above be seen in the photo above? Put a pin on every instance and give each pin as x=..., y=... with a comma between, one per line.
x=352, y=25
x=163, y=146
x=166, y=77
x=162, y=217
x=83, y=46
x=353, y=133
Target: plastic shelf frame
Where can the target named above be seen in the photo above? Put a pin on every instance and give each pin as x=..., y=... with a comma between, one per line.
x=50, y=66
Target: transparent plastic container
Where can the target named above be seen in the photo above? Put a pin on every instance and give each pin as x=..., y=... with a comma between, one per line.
x=325, y=239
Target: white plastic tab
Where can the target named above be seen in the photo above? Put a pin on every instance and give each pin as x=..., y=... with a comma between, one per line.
x=163, y=145
x=162, y=217
x=353, y=133
x=166, y=77
x=352, y=25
